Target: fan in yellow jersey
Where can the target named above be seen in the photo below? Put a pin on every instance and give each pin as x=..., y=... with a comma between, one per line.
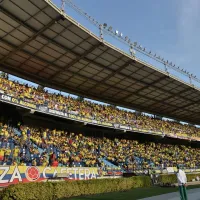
x=2, y=151
x=16, y=151
x=7, y=154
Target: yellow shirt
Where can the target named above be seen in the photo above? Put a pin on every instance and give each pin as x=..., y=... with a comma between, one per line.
x=6, y=133
x=15, y=152
x=1, y=152
x=7, y=152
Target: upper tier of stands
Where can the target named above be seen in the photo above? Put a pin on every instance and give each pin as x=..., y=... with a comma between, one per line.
x=99, y=112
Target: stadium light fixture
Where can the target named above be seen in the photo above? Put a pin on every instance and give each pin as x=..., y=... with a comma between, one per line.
x=121, y=35
x=155, y=55
x=126, y=38
x=135, y=44
x=104, y=25
x=149, y=52
x=116, y=32
x=101, y=31
x=129, y=41
x=132, y=52
x=110, y=28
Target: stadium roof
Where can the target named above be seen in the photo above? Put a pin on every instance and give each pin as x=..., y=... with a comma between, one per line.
x=42, y=44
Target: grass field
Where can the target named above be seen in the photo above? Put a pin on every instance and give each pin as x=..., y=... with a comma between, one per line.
x=134, y=194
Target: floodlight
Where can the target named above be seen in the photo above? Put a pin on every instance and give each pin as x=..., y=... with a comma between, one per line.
x=149, y=52
x=129, y=41
x=174, y=65
x=116, y=32
x=121, y=35
x=135, y=43
x=132, y=52
x=170, y=63
x=144, y=49
x=126, y=38
x=155, y=55
x=110, y=28
x=104, y=25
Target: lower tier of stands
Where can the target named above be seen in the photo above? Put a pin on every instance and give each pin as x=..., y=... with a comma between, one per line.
x=25, y=145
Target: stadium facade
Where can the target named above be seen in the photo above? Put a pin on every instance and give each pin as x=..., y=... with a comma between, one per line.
x=42, y=44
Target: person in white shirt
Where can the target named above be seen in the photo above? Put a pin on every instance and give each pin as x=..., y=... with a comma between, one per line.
x=182, y=181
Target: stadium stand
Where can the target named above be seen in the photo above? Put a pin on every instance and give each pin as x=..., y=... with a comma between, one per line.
x=99, y=112
x=24, y=145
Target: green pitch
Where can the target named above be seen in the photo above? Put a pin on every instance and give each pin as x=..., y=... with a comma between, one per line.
x=134, y=194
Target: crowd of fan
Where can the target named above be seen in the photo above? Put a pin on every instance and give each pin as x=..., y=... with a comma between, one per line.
x=45, y=147
x=99, y=112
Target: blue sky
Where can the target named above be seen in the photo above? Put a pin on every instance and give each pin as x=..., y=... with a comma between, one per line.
x=169, y=28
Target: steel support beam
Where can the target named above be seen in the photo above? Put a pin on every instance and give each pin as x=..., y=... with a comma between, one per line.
x=75, y=61
x=112, y=74
x=107, y=85
x=21, y=46
x=147, y=86
x=171, y=96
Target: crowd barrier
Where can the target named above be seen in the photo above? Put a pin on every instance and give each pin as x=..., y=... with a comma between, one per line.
x=23, y=174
